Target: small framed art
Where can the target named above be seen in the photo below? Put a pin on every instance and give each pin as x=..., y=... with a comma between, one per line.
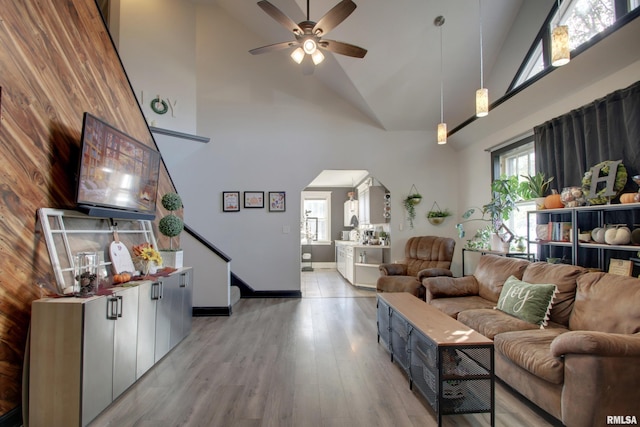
x=230, y=201
x=253, y=199
x=277, y=201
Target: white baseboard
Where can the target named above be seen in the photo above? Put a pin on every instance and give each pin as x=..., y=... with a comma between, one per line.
x=323, y=265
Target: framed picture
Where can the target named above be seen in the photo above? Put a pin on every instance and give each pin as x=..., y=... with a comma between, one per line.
x=277, y=201
x=253, y=199
x=230, y=201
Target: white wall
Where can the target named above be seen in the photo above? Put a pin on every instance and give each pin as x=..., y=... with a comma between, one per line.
x=273, y=129
x=156, y=42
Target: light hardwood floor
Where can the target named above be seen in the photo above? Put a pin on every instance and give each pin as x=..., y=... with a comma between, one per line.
x=313, y=361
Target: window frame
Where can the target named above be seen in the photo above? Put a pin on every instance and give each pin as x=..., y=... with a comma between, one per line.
x=316, y=195
x=625, y=12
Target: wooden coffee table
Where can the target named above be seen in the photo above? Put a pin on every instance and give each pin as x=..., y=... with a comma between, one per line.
x=450, y=363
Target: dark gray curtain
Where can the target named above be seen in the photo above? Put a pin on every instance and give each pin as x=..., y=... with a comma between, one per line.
x=606, y=129
x=568, y=146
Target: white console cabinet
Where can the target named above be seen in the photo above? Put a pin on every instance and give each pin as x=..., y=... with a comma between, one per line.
x=85, y=352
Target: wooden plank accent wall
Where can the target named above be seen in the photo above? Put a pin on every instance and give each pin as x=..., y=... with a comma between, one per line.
x=57, y=61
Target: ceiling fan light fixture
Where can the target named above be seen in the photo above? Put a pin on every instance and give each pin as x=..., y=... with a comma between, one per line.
x=309, y=46
x=297, y=55
x=482, y=102
x=317, y=57
x=560, y=53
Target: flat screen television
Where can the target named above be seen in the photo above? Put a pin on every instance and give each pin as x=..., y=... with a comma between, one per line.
x=118, y=175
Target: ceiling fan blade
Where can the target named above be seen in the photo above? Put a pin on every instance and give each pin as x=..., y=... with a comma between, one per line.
x=343, y=48
x=272, y=47
x=307, y=66
x=276, y=14
x=334, y=17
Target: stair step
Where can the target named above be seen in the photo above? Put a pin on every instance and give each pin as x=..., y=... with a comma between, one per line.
x=234, y=295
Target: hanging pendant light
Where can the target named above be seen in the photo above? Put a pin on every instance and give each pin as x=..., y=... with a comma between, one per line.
x=560, y=51
x=442, y=126
x=482, y=94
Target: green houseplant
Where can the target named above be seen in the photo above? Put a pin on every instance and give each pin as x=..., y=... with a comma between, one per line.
x=536, y=187
x=506, y=192
x=171, y=226
x=409, y=203
x=437, y=215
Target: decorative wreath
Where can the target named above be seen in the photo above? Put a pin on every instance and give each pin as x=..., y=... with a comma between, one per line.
x=621, y=181
x=156, y=109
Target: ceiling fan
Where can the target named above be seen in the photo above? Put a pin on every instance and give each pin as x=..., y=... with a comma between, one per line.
x=308, y=35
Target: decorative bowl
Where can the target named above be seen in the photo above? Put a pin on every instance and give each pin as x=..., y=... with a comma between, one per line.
x=572, y=197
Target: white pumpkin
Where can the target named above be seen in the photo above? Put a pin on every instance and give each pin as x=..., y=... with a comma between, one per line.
x=597, y=235
x=618, y=236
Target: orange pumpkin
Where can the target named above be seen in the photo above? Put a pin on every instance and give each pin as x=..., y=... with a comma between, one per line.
x=629, y=197
x=553, y=201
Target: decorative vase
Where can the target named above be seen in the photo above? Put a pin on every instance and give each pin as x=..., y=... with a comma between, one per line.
x=539, y=203
x=172, y=259
x=497, y=244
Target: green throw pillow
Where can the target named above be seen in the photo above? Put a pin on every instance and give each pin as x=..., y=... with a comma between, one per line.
x=526, y=301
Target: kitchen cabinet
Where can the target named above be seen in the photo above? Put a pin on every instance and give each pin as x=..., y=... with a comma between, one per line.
x=576, y=218
x=371, y=204
x=359, y=264
x=351, y=209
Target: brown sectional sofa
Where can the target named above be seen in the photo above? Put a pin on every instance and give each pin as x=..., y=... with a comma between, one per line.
x=585, y=364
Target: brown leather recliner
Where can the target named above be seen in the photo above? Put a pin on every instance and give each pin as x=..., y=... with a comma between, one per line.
x=425, y=256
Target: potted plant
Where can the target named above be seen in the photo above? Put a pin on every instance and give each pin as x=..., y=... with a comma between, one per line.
x=436, y=215
x=536, y=187
x=409, y=204
x=506, y=192
x=171, y=226
x=384, y=236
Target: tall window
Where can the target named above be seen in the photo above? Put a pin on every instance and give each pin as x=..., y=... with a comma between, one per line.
x=517, y=159
x=316, y=217
x=585, y=18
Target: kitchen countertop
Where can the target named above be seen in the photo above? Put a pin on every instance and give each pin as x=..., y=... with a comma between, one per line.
x=360, y=245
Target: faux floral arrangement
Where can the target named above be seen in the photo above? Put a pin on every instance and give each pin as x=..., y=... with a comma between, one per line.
x=146, y=254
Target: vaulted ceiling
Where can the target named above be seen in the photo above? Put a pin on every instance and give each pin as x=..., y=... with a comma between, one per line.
x=397, y=84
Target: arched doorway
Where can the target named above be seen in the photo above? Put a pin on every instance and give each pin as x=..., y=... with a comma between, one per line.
x=342, y=211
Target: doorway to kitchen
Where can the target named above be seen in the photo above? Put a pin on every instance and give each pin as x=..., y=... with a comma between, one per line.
x=343, y=212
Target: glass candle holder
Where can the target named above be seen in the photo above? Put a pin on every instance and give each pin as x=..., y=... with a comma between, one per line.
x=85, y=273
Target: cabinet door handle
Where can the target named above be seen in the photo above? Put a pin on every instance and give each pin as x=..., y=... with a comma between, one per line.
x=119, y=307
x=112, y=308
x=155, y=291
x=183, y=280
x=161, y=290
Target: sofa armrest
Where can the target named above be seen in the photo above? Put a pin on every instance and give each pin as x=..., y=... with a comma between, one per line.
x=434, y=272
x=393, y=269
x=596, y=343
x=445, y=286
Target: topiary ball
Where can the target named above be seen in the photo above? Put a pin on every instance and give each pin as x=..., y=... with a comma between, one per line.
x=171, y=201
x=170, y=225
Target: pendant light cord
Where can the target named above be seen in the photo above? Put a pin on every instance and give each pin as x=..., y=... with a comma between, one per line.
x=441, y=81
x=481, y=59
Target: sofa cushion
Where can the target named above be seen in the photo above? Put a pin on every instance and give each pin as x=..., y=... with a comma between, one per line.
x=455, y=305
x=527, y=301
x=564, y=276
x=530, y=350
x=493, y=270
x=606, y=303
x=490, y=322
